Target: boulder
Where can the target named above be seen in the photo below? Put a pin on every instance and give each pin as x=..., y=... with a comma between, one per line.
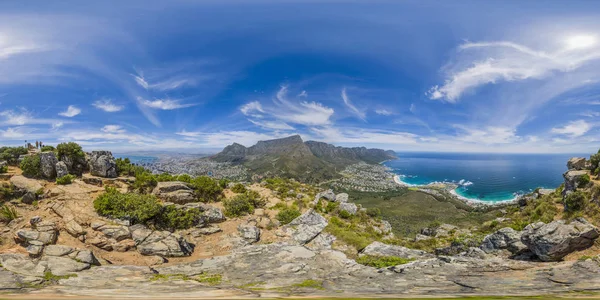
x=576, y=163
x=75, y=166
x=48, y=162
x=161, y=243
x=249, y=233
x=61, y=169
x=341, y=197
x=381, y=249
x=305, y=227
x=323, y=241
x=44, y=233
x=206, y=231
x=58, y=250
x=544, y=192
x=116, y=232
x=214, y=215
x=328, y=194
x=24, y=184
x=553, y=241
x=175, y=191
x=92, y=180
x=102, y=163
x=505, y=238
x=61, y=266
x=74, y=229
x=29, y=198
x=572, y=179
x=350, y=208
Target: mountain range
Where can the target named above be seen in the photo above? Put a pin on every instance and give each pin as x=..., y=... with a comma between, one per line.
x=292, y=157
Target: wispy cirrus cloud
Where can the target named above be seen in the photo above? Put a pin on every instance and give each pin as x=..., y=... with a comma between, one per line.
x=165, y=104
x=107, y=105
x=574, y=128
x=510, y=62
x=360, y=114
x=71, y=111
x=383, y=112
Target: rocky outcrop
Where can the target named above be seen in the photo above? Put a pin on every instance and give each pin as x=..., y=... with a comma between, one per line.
x=250, y=234
x=328, y=195
x=92, y=180
x=175, y=191
x=381, y=249
x=505, y=238
x=572, y=180
x=350, y=208
x=323, y=241
x=43, y=233
x=75, y=165
x=61, y=169
x=48, y=162
x=24, y=184
x=553, y=241
x=161, y=243
x=305, y=227
x=341, y=197
x=577, y=163
x=102, y=163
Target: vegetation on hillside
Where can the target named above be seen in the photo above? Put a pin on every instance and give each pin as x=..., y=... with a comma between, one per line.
x=70, y=150
x=31, y=166
x=11, y=154
x=67, y=179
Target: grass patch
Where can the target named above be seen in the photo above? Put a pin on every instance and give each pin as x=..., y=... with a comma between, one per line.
x=382, y=261
x=49, y=277
x=67, y=179
x=352, y=232
x=8, y=213
x=211, y=279
x=310, y=283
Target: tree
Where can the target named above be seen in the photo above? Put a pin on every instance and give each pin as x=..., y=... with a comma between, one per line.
x=31, y=166
x=71, y=150
x=575, y=201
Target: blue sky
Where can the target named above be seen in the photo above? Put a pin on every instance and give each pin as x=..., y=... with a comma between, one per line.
x=477, y=76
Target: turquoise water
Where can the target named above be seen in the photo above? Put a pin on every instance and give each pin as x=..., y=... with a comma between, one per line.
x=483, y=177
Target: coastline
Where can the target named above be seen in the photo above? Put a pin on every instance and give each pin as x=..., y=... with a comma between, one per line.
x=451, y=190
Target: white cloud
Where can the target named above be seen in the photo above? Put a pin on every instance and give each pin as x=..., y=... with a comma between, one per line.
x=107, y=105
x=383, y=112
x=303, y=94
x=13, y=133
x=358, y=113
x=573, y=128
x=224, y=138
x=112, y=129
x=141, y=81
x=70, y=112
x=253, y=109
x=488, y=135
x=166, y=84
x=165, y=104
x=360, y=136
x=57, y=125
x=276, y=125
x=506, y=61
x=23, y=116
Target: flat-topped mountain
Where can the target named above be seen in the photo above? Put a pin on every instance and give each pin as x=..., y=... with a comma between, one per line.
x=292, y=157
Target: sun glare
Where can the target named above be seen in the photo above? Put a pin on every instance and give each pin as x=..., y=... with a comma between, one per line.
x=580, y=41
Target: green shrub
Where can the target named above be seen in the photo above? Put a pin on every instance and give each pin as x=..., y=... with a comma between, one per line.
x=31, y=166
x=583, y=180
x=374, y=212
x=47, y=148
x=3, y=169
x=595, y=160
x=255, y=199
x=238, y=188
x=67, y=179
x=331, y=206
x=171, y=218
x=344, y=214
x=8, y=213
x=11, y=154
x=287, y=215
x=350, y=233
x=144, y=182
x=207, y=189
x=238, y=206
x=71, y=150
x=184, y=178
x=382, y=261
x=165, y=177
x=223, y=182
x=137, y=208
x=6, y=191
x=575, y=201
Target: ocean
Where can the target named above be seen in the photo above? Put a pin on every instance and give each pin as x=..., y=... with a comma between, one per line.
x=137, y=159
x=483, y=177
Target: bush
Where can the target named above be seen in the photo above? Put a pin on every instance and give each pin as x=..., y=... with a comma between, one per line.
x=144, y=182
x=67, y=179
x=3, y=169
x=238, y=188
x=171, y=218
x=575, y=201
x=47, y=148
x=595, y=160
x=255, y=199
x=374, y=212
x=583, y=180
x=223, y=182
x=165, y=177
x=71, y=150
x=287, y=215
x=137, y=208
x=11, y=154
x=238, y=206
x=344, y=214
x=6, y=191
x=184, y=178
x=207, y=189
x=382, y=261
x=31, y=166
x=8, y=213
